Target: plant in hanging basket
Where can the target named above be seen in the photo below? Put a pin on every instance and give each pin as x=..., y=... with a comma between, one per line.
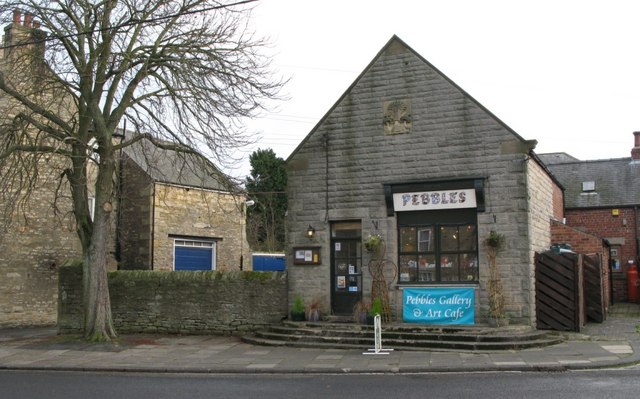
x=373, y=243
x=495, y=239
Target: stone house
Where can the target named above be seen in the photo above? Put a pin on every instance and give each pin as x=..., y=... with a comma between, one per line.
x=178, y=212
x=408, y=156
x=37, y=229
x=602, y=198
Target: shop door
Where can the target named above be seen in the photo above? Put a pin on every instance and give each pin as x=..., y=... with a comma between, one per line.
x=346, y=267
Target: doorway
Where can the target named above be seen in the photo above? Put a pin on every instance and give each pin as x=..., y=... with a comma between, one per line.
x=346, y=266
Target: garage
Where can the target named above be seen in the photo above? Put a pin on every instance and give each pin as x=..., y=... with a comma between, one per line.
x=194, y=255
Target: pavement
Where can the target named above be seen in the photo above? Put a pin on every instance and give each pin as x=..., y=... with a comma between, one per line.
x=614, y=343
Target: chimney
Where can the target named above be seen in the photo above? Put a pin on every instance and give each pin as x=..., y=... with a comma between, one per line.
x=635, y=151
x=16, y=17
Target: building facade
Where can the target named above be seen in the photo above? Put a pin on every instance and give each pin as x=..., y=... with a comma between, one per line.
x=408, y=156
x=37, y=230
x=602, y=198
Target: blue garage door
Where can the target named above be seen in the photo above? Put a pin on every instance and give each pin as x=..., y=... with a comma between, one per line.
x=194, y=255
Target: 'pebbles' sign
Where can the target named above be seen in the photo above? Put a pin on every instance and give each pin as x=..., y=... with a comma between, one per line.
x=433, y=200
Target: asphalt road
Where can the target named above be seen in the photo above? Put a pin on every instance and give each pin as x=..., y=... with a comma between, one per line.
x=64, y=385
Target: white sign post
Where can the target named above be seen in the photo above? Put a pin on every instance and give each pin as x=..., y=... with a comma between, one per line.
x=377, y=331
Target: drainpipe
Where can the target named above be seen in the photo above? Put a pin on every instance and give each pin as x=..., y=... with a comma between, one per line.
x=635, y=222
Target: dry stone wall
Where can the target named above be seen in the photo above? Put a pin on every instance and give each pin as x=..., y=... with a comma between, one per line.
x=180, y=302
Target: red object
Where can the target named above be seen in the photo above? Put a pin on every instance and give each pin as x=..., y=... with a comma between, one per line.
x=632, y=281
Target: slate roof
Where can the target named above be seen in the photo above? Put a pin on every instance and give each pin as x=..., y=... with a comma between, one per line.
x=617, y=181
x=174, y=167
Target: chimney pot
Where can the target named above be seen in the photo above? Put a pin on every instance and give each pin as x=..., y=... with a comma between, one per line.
x=16, y=17
x=27, y=20
x=36, y=24
x=635, y=151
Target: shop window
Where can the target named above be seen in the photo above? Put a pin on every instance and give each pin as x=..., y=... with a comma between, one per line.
x=439, y=253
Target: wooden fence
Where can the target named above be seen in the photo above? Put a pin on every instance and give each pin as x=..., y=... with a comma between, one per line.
x=569, y=289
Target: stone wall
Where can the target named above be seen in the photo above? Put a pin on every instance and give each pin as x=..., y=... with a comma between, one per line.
x=338, y=172
x=180, y=302
x=135, y=217
x=33, y=244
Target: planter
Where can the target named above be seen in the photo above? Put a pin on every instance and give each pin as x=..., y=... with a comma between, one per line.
x=314, y=315
x=297, y=316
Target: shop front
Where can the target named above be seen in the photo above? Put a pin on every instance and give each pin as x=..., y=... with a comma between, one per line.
x=407, y=157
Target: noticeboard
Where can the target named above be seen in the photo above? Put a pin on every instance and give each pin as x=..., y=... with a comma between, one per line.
x=306, y=255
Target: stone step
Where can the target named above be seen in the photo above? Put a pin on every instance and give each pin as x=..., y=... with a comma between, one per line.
x=274, y=339
x=410, y=334
x=403, y=336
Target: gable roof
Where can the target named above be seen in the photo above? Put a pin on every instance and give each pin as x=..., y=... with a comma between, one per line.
x=617, y=182
x=175, y=167
x=393, y=43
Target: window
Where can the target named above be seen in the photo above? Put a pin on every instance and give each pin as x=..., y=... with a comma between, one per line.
x=438, y=253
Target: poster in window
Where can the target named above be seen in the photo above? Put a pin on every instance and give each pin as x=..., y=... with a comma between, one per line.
x=342, y=282
x=352, y=269
x=299, y=255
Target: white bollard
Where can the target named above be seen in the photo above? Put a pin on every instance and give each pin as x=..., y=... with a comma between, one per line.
x=377, y=338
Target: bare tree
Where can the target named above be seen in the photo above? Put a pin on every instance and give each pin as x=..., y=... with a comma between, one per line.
x=184, y=74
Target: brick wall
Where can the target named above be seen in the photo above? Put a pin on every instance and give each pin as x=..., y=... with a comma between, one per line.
x=584, y=243
x=339, y=170
x=619, y=230
x=180, y=302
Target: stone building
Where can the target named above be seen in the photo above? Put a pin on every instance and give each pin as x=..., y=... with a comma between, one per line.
x=175, y=212
x=602, y=198
x=178, y=212
x=407, y=155
x=37, y=229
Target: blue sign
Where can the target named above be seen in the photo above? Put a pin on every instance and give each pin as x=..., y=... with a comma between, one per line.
x=439, y=305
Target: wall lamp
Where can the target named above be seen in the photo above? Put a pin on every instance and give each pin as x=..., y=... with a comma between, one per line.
x=311, y=232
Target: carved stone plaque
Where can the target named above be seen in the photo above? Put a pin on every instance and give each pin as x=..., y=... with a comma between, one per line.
x=397, y=117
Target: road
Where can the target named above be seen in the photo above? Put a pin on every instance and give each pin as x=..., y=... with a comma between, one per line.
x=67, y=385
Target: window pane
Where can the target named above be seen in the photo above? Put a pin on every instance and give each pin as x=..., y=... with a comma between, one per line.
x=468, y=241
x=427, y=268
x=449, y=238
x=468, y=267
x=449, y=268
x=407, y=239
x=425, y=239
x=408, y=269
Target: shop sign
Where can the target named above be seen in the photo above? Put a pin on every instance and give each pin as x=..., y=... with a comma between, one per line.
x=434, y=200
x=439, y=305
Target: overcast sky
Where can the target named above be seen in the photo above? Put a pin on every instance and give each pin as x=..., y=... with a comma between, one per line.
x=565, y=73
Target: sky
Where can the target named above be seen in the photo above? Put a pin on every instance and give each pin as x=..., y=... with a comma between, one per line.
x=565, y=73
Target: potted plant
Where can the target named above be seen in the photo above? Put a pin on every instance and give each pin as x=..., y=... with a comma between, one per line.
x=313, y=312
x=297, y=310
x=375, y=310
x=373, y=243
x=361, y=312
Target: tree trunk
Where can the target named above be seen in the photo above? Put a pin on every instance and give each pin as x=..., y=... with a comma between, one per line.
x=98, y=324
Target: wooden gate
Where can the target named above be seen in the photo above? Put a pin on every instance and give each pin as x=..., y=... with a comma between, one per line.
x=594, y=288
x=558, y=291
x=569, y=290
